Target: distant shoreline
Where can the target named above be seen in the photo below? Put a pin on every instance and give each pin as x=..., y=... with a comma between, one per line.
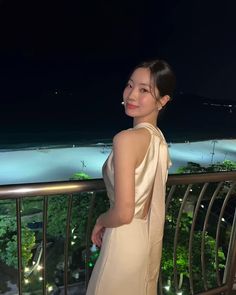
x=54, y=138
x=105, y=142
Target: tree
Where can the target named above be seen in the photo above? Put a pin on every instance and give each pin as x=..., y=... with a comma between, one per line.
x=184, y=231
x=191, y=167
x=81, y=206
x=8, y=242
x=182, y=261
x=57, y=213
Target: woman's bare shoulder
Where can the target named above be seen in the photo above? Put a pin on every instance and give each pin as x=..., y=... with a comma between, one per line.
x=132, y=136
x=131, y=145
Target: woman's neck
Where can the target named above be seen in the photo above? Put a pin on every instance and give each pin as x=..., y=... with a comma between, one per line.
x=136, y=122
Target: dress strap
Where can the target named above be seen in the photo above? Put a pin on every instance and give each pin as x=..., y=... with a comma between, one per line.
x=155, y=130
x=151, y=127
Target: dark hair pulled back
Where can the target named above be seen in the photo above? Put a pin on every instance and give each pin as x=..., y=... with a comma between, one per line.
x=162, y=76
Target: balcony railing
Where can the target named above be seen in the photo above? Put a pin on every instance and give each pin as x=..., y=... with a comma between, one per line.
x=199, y=249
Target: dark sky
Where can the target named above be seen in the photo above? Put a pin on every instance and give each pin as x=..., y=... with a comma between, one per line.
x=69, y=60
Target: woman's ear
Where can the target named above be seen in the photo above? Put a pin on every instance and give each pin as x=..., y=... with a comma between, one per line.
x=164, y=100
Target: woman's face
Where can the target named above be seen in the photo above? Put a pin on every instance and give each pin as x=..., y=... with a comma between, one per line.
x=141, y=97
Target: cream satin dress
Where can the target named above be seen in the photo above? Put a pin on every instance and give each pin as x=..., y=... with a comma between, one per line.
x=130, y=255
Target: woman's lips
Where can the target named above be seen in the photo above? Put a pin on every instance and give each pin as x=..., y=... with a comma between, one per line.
x=131, y=106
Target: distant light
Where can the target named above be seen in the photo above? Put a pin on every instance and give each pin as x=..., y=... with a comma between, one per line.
x=223, y=219
x=202, y=206
x=39, y=267
x=26, y=281
x=76, y=275
x=180, y=199
x=40, y=278
x=167, y=288
x=72, y=243
x=50, y=288
x=26, y=269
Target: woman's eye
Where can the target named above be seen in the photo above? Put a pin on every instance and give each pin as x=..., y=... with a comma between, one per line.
x=143, y=90
x=129, y=85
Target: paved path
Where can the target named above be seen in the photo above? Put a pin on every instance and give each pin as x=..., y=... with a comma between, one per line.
x=55, y=164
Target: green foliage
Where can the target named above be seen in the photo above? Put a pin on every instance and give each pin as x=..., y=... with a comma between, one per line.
x=28, y=243
x=82, y=202
x=57, y=214
x=80, y=176
x=191, y=167
x=57, y=211
x=226, y=165
x=182, y=251
x=86, y=207
x=8, y=242
x=182, y=261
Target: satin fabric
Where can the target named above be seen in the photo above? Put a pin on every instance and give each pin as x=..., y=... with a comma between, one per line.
x=130, y=255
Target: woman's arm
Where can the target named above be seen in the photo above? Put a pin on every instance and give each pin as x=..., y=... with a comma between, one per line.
x=122, y=212
x=129, y=148
x=125, y=159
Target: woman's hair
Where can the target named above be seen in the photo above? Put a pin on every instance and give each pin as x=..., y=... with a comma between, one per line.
x=162, y=76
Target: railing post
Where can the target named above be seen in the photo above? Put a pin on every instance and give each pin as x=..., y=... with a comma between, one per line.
x=19, y=243
x=44, y=244
x=89, y=221
x=218, y=233
x=67, y=239
x=230, y=266
x=177, y=235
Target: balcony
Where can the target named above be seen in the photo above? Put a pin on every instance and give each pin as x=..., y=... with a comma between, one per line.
x=45, y=235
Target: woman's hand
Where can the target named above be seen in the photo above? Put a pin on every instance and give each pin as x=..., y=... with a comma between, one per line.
x=97, y=234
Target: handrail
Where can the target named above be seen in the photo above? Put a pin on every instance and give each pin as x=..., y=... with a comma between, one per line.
x=51, y=188
x=200, y=177
x=17, y=192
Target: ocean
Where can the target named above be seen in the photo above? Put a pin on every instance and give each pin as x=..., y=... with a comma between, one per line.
x=52, y=150
x=186, y=119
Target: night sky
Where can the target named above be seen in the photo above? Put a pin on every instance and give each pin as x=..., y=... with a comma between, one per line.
x=63, y=64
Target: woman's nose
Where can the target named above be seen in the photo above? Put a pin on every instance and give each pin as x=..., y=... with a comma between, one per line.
x=132, y=94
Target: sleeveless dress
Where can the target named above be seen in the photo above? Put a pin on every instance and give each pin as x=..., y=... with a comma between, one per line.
x=129, y=260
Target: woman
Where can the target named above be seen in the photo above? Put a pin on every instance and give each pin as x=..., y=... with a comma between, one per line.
x=130, y=232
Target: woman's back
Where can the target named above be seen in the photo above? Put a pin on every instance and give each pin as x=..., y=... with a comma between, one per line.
x=123, y=264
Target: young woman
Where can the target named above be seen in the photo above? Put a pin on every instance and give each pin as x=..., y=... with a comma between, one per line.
x=135, y=173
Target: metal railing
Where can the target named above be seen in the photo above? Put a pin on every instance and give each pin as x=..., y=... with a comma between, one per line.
x=199, y=249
